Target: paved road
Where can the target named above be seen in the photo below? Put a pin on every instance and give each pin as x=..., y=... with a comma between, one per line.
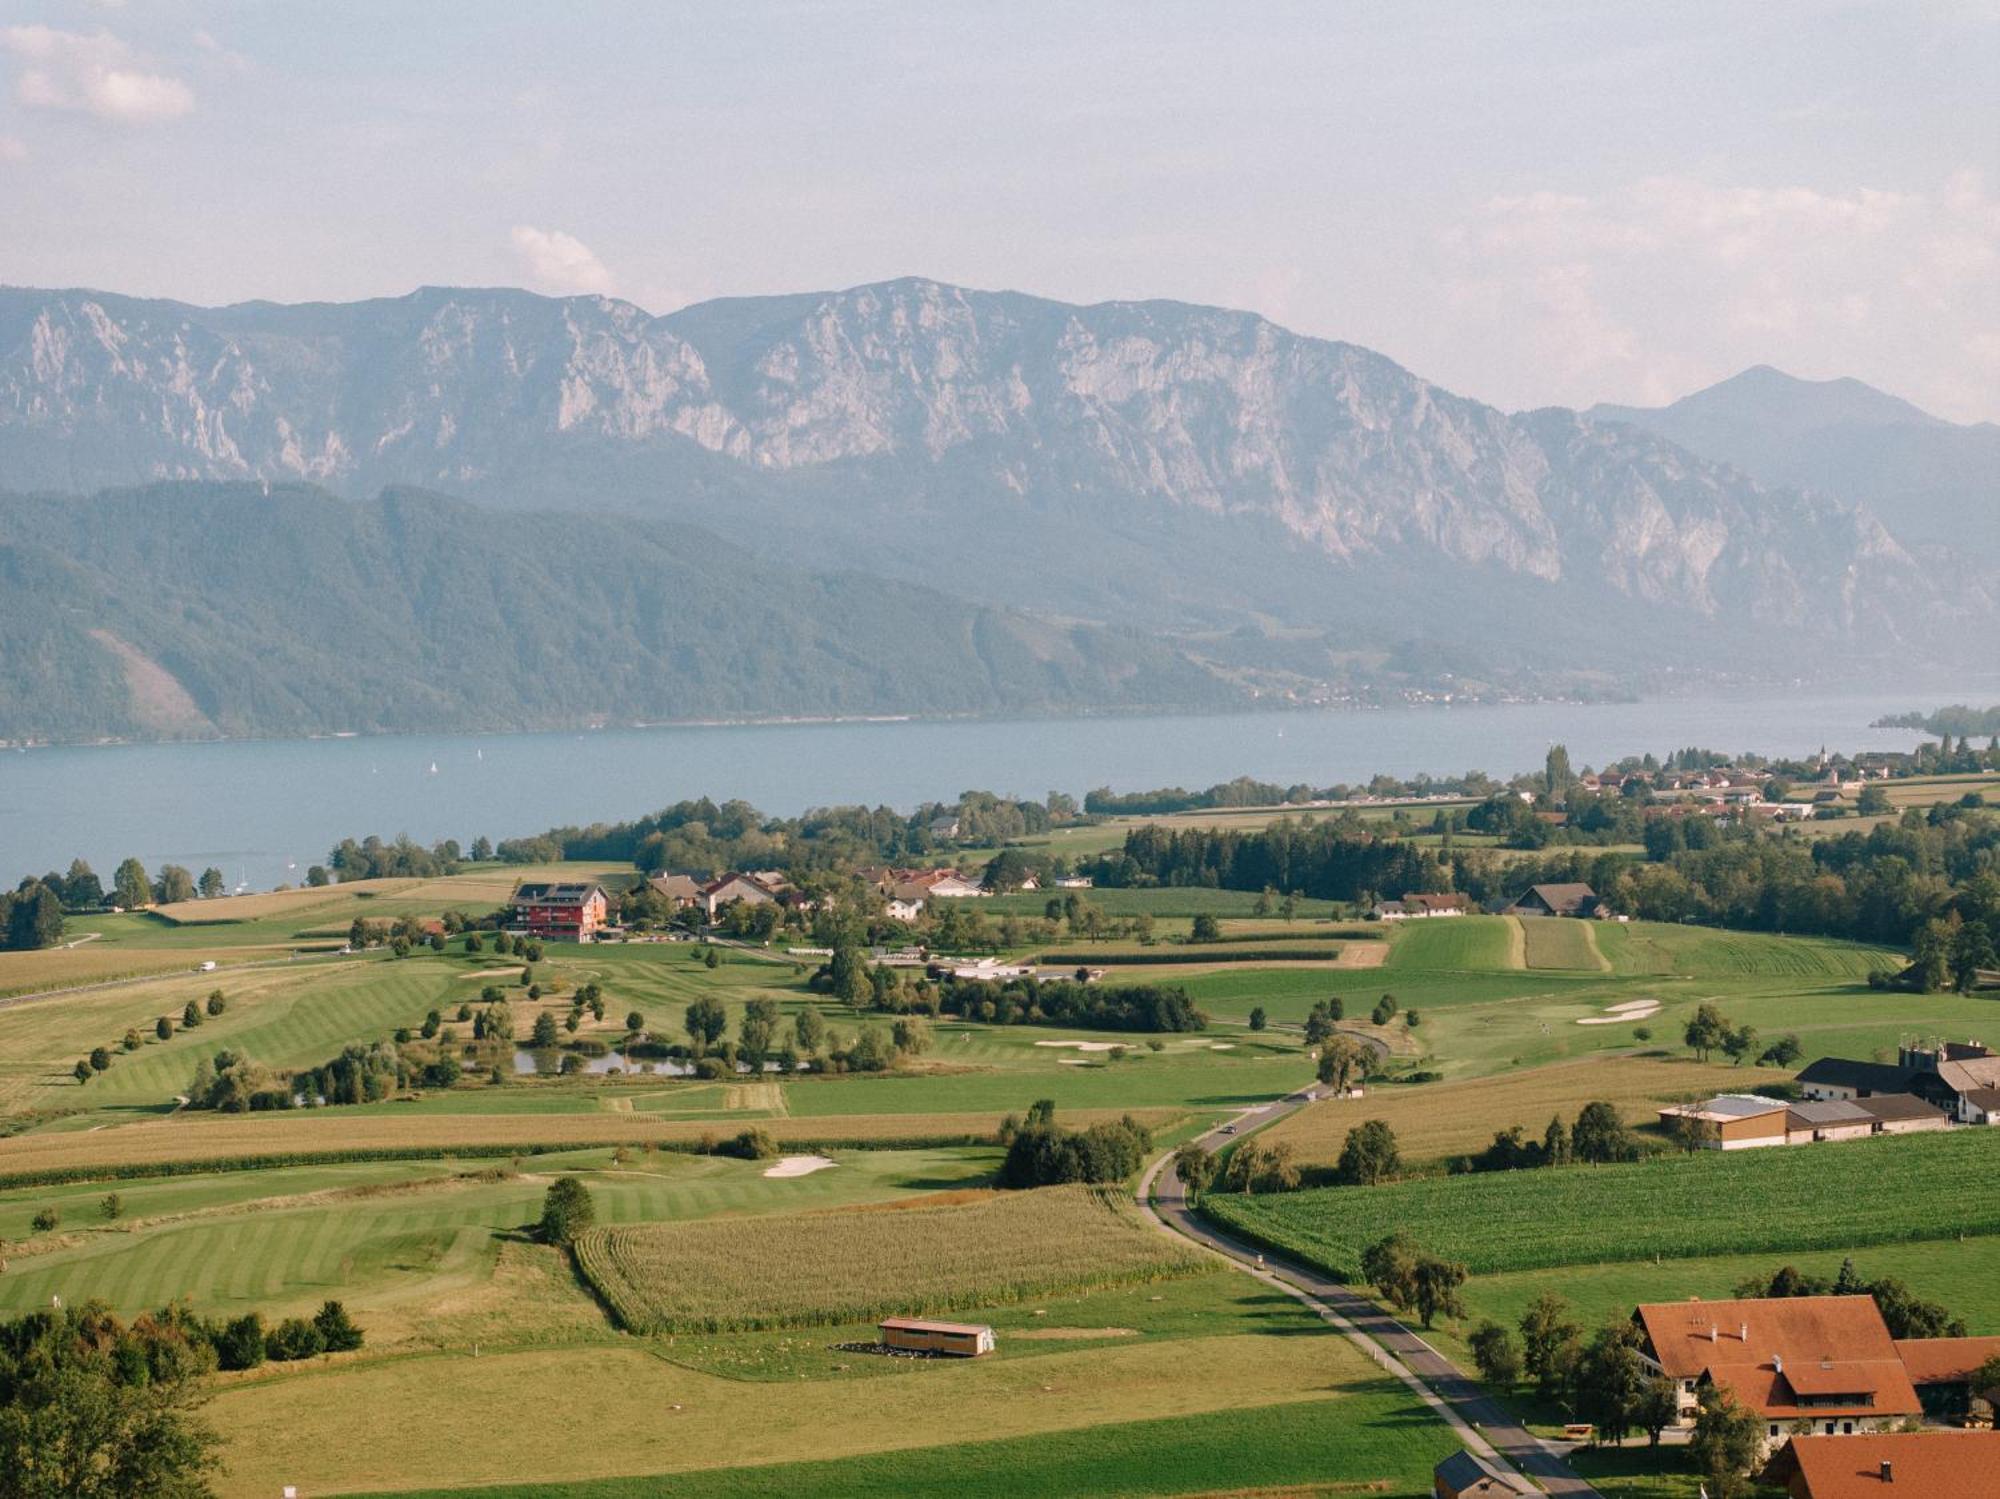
x=1481, y=1423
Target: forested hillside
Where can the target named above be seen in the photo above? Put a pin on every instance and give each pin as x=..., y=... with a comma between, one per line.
x=202, y=609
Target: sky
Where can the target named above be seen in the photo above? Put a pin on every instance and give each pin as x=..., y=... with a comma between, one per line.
x=1528, y=203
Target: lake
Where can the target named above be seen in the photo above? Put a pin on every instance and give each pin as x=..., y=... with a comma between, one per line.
x=262, y=810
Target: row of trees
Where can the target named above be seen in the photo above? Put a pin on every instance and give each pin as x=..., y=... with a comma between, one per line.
x=1336, y=859
x=1598, y=1137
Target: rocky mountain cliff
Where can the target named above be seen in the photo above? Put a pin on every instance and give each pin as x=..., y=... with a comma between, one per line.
x=1182, y=468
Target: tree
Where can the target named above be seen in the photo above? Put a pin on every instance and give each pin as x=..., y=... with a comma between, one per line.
x=210, y=884
x=635, y=1022
x=174, y=885
x=1205, y=929
x=163, y=1028
x=1258, y=1019
x=293, y=1339
x=1370, y=1154
x=1556, y=1147
x=1611, y=1381
x=1385, y=1010
x=82, y=890
x=1783, y=1052
x=1556, y=775
x=190, y=1016
x=94, y=1409
x=1546, y=1330
x=316, y=876
x=1931, y=952
x=912, y=1035
x=34, y=918
x=809, y=1031
x=215, y=1004
x=100, y=1059
x=111, y=1206
x=1706, y=1031
x=705, y=1021
x=712, y=958
x=544, y=1035
x=847, y=973
x=81, y=1071
x=240, y=1343
x=1320, y=1020
x=482, y=850
x=1390, y=1266
x=130, y=888
x=1727, y=1441
x=1195, y=1167
x=1343, y=1063
x=1874, y=801
x=1497, y=1354
x=336, y=1329
x=1600, y=1136
x=566, y=1211
x=1435, y=1284
x=1659, y=1407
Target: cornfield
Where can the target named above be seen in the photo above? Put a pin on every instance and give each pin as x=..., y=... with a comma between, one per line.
x=818, y=1269
x=1782, y=1200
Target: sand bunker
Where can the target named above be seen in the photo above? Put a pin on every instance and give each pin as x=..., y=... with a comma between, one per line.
x=1632, y=1009
x=1082, y=1045
x=799, y=1165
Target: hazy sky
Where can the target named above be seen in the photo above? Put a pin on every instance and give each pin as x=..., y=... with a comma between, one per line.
x=1527, y=203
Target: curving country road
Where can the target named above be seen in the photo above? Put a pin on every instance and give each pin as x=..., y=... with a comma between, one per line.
x=1482, y=1424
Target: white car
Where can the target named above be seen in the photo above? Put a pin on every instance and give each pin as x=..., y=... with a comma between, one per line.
x=208, y=967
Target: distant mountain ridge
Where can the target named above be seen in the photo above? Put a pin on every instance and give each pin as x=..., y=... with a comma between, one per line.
x=1933, y=483
x=1284, y=503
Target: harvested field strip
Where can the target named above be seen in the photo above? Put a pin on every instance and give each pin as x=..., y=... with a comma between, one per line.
x=1882, y=1191
x=1433, y=1120
x=1204, y=952
x=820, y=1269
x=1553, y=942
x=327, y=1136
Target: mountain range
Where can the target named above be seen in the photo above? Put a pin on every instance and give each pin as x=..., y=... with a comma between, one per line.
x=1935, y=484
x=1162, y=504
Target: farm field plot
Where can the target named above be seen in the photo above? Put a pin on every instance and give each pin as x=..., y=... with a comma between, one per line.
x=1265, y=1361
x=708, y=1277
x=1433, y=1120
x=1169, y=902
x=1887, y=1190
x=1643, y=948
x=1554, y=942
x=1456, y=944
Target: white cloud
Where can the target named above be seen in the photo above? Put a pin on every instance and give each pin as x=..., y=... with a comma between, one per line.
x=559, y=262
x=234, y=61
x=13, y=148
x=94, y=74
x=1647, y=291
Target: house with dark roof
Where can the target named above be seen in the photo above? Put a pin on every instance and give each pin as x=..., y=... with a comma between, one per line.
x=1916, y=1464
x=1903, y=1113
x=1560, y=900
x=562, y=911
x=1837, y=1077
x=680, y=890
x=1942, y=1370
x=1464, y=1475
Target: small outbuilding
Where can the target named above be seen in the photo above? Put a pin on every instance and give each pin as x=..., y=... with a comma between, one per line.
x=951, y=1339
x=1464, y=1476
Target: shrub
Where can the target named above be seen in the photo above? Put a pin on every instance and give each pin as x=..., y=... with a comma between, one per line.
x=216, y=1003
x=112, y=1205
x=240, y=1344
x=293, y=1339
x=163, y=1028
x=566, y=1211
x=46, y=1220
x=100, y=1059
x=752, y=1145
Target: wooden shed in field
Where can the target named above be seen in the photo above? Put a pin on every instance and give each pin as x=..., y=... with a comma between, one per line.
x=955, y=1339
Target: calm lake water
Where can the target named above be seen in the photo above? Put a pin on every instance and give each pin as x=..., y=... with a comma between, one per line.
x=261, y=811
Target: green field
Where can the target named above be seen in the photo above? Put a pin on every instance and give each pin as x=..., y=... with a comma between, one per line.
x=1369, y=1438
x=1457, y=944
x=1887, y=1190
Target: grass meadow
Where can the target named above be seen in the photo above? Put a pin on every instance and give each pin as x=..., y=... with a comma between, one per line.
x=1555, y=942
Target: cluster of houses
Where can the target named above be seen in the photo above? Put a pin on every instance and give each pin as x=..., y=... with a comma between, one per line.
x=758, y=887
x=1931, y=1087
x=1841, y=1402
x=906, y=892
